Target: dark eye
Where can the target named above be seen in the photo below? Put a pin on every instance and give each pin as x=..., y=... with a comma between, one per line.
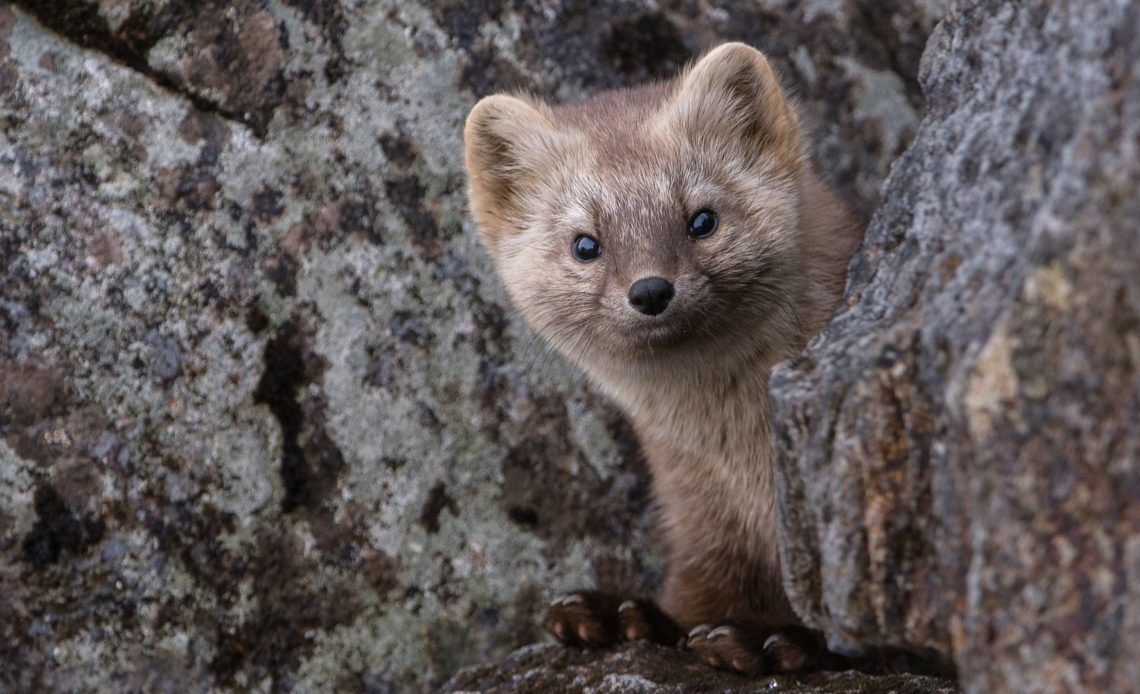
x=586, y=248
x=702, y=225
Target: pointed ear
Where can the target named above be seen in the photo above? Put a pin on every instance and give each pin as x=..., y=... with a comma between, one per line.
x=506, y=142
x=731, y=97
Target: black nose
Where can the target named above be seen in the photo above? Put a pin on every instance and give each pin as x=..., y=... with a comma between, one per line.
x=650, y=295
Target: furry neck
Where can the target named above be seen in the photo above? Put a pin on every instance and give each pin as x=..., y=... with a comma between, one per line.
x=692, y=405
x=706, y=435
x=706, y=432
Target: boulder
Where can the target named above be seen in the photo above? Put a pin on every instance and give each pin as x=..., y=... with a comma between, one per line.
x=959, y=451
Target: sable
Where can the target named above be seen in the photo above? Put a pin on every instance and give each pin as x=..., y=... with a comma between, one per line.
x=675, y=243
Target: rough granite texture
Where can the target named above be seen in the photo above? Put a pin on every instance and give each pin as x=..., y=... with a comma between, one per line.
x=960, y=450
x=266, y=421
x=643, y=667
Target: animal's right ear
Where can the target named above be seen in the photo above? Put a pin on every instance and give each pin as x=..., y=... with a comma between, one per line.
x=506, y=141
x=731, y=97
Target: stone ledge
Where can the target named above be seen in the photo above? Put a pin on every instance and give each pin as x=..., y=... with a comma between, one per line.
x=646, y=667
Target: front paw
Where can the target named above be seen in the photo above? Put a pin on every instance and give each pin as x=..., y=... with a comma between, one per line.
x=728, y=648
x=757, y=650
x=593, y=618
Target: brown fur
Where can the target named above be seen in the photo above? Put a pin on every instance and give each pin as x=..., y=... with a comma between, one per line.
x=630, y=168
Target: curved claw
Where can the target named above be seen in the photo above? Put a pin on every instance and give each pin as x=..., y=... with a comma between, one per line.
x=567, y=599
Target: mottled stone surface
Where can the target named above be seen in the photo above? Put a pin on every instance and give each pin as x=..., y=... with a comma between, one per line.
x=266, y=420
x=643, y=667
x=960, y=451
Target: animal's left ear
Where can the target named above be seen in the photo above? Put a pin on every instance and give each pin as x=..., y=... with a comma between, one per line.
x=731, y=97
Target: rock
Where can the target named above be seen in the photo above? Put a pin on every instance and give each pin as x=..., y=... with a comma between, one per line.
x=266, y=420
x=959, y=452
x=644, y=667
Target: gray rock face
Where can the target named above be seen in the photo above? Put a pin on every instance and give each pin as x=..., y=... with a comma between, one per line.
x=265, y=418
x=643, y=667
x=960, y=451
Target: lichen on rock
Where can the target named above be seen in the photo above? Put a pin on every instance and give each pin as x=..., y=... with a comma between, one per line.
x=958, y=451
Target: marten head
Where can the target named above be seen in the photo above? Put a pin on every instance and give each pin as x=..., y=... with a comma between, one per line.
x=652, y=221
